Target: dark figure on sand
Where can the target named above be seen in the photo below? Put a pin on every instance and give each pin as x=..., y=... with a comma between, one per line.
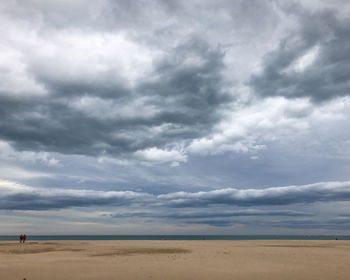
x=22, y=238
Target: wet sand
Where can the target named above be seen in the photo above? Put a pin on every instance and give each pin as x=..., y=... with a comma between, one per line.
x=112, y=260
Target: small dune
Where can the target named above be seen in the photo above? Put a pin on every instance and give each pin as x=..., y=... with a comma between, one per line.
x=299, y=246
x=141, y=251
x=41, y=250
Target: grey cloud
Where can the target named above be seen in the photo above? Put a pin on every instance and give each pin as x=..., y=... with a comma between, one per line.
x=320, y=192
x=156, y=16
x=331, y=224
x=213, y=222
x=267, y=218
x=186, y=98
x=193, y=92
x=181, y=98
x=29, y=198
x=305, y=224
x=99, y=15
x=41, y=199
x=238, y=213
x=91, y=107
x=216, y=217
x=326, y=77
x=268, y=222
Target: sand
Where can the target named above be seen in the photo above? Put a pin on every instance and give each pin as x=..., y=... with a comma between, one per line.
x=112, y=260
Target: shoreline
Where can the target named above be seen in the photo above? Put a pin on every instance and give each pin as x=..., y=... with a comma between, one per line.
x=176, y=237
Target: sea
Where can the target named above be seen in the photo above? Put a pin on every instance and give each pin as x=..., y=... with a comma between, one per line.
x=176, y=237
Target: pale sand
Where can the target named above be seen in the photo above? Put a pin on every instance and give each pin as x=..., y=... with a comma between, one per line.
x=112, y=260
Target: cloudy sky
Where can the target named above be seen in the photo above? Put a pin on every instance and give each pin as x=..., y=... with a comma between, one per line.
x=174, y=117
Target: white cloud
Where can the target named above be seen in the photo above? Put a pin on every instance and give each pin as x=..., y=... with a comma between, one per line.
x=108, y=109
x=157, y=155
x=318, y=192
x=7, y=152
x=15, y=79
x=255, y=126
x=306, y=60
x=97, y=57
x=10, y=186
x=248, y=128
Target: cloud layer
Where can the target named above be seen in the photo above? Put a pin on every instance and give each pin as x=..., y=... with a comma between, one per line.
x=18, y=197
x=219, y=208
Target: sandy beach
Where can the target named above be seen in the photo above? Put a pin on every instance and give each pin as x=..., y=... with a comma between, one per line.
x=112, y=260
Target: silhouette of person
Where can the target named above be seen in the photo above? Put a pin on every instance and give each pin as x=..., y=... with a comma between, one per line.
x=24, y=238
x=21, y=238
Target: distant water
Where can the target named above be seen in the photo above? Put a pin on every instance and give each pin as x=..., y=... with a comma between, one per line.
x=176, y=237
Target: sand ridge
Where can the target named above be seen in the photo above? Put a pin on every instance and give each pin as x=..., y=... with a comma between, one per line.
x=140, y=250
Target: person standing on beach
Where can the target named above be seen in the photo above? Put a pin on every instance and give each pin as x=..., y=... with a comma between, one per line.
x=24, y=238
x=21, y=238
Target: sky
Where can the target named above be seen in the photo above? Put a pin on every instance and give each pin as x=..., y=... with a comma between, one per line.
x=175, y=117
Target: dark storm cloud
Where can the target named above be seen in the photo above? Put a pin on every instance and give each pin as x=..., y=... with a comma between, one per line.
x=187, y=98
x=311, y=62
x=192, y=91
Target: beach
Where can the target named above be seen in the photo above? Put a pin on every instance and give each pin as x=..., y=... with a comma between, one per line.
x=164, y=259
